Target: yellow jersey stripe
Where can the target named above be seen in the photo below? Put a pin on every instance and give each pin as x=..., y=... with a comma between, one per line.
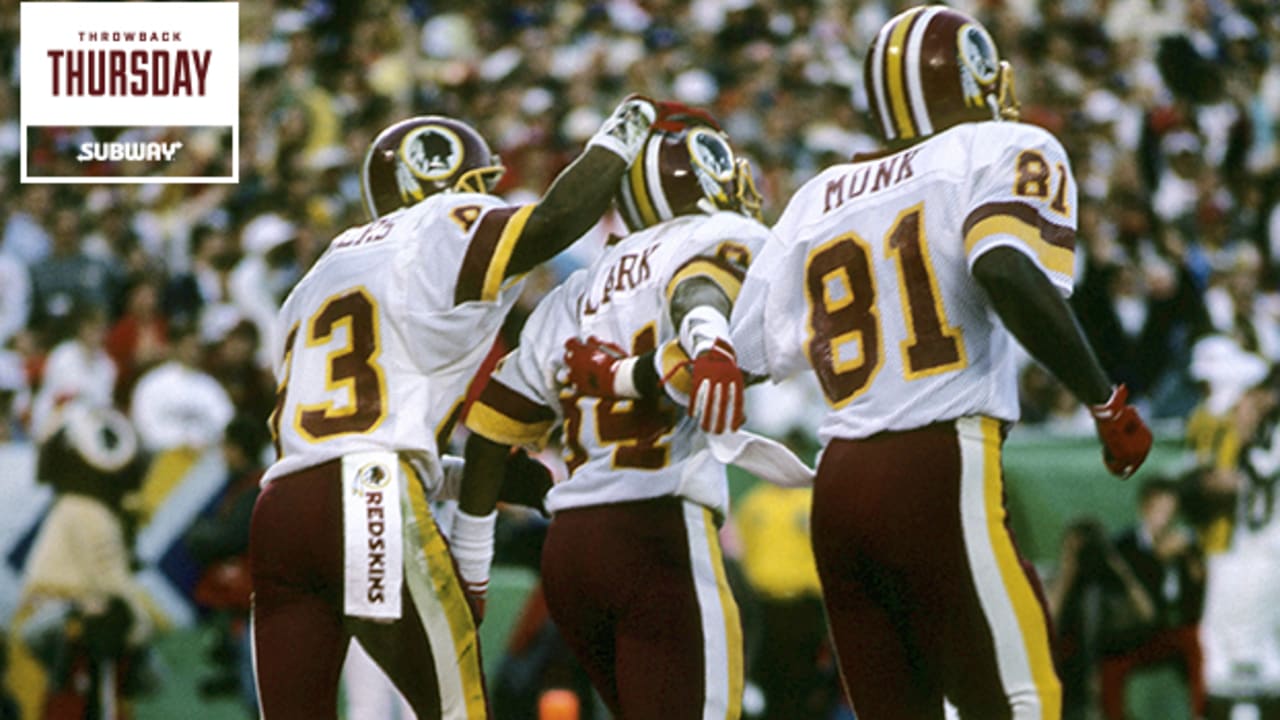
x=497, y=269
x=502, y=428
x=1054, y=257
x=727, y=281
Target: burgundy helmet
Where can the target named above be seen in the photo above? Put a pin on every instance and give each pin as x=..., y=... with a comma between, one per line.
x=685, y=169
x=416, y=158
x=932, y=67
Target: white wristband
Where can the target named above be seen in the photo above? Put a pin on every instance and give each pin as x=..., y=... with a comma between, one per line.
x=700, y=329
x=471, y=542
x=624, y=385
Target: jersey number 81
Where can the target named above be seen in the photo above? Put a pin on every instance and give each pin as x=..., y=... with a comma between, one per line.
x=841, y=291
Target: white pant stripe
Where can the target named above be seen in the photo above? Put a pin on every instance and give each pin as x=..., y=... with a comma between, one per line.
x=706, y=584
x=1016, y=675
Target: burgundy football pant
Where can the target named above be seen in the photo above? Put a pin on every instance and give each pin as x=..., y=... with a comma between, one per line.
x=639, y=592
x=300, y=632
x=925, y=591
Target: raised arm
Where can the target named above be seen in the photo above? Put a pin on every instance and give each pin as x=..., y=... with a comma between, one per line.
x=582, y=192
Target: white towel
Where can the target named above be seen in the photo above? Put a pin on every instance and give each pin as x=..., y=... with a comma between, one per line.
x=767, y=459
x=374, y=557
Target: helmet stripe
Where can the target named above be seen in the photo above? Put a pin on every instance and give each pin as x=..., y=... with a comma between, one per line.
x=365, y=181
x=894, y=73
x=915, y=88
x=640, y=191
x=627, y=195
x=653, y=177
x=877, y=82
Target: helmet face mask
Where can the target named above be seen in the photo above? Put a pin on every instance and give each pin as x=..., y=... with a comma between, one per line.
x=419, y=157
x=930, y=68
x=684, y=172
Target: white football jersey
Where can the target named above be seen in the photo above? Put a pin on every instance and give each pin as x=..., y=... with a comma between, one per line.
x=869, y=279
x=383, y=335
x=619, y=450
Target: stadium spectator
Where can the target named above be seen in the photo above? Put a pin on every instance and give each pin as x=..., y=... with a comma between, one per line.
x=1235, y=510
x=219, y=542
x=15, y=298
x=14, y=396
x=68, y=278
x=787, y=664
x=232, y=359
x=83, y=617
x=139, y=339
x=177, y=405
x=25, y=235
x=78, y=368
x=204, y=286
x=1164, y=556
x=263, y=276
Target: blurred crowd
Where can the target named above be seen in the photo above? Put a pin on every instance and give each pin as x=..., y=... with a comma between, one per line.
x=159, y=299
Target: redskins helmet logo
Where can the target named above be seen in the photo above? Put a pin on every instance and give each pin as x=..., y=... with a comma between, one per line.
x=712, y=162
x=979, y=65
x=432, y=152
x=711, y=154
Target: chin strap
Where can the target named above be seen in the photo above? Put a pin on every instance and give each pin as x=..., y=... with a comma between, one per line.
x=1007, y=106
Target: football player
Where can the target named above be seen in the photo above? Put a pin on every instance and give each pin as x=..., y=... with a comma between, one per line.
x=632, y=566
x=901, y=279
x=380, y=341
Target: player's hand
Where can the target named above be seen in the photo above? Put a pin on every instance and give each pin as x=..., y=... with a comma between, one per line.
x=471, y=542
x=525, y=481
x=717, y=397
x=1126, y=440
x=624, y=131
x=594, y=365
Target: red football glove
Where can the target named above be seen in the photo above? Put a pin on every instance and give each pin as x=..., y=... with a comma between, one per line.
x=593, y=365
x=716, y=401
x=1126, y=440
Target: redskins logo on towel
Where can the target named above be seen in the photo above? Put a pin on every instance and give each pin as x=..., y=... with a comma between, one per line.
x=372, y=477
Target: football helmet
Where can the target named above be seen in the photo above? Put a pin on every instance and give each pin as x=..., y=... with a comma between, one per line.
x=932, y=67
x=414, y=159
x=685, y=168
